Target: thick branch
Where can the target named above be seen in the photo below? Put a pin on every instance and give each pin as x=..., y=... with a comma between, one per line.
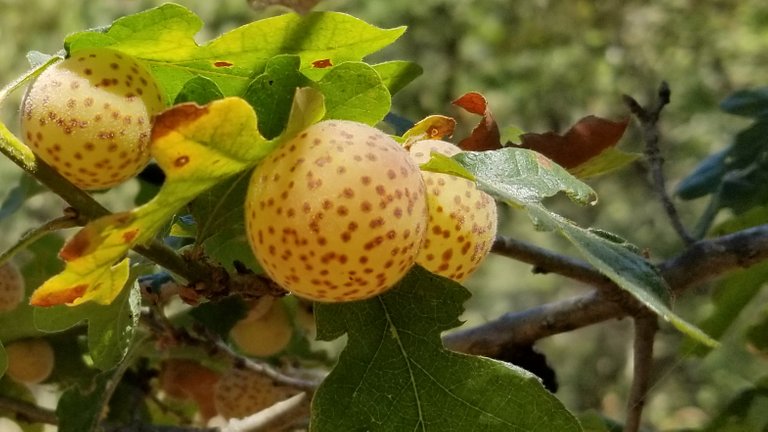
x=699, y=263
x=545, y=261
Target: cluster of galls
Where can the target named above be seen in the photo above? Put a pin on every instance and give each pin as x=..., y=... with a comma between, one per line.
x=342, y=212
x=339, y=213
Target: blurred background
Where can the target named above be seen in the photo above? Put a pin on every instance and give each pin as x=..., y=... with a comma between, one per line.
x=542, y=66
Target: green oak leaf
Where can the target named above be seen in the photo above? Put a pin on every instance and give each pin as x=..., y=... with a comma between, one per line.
x=397, y=74
x=163, y=38
x=623, y=265
x=111, y=328
x=394, y=374
x=271, y=93
x=80, y=408
x=199, y=90
x=354, y=91
x=220, y=223
x=524, y=178
x=521, y=176
x=730, y=297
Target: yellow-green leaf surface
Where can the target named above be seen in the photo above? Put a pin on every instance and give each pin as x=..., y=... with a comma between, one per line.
x=232, y=59
x=196, y=147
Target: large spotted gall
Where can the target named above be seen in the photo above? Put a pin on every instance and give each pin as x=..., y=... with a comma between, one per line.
x=462, y=218
x=337, y=213
x=90, y=116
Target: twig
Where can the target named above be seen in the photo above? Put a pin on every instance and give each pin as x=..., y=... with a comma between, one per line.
x=278, y=415
x=262, y=368
x=648, y=119
x=28, y=412
x=159, y=324
x=144, y=427
x=545, y=261
x=699, y=263
x=31, y=236
x=646, y=326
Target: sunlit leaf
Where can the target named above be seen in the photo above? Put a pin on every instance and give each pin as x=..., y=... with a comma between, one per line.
x=431, y=127
x=271, y=93
x=234, y=57
x=354, y=91
x=397, y=74
x=199, y=90
x=394, y=374
x=196, y=147
x=522, y=176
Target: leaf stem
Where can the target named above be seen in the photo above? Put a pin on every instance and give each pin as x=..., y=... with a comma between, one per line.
x=28, y=412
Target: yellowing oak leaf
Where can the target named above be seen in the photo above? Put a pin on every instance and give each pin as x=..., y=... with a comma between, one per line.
x=197, y=147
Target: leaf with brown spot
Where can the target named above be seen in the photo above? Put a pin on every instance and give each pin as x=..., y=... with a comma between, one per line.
x=486, y=135
x=322, y=63
x=218, y=141
x=432, y=127
x=585, y=140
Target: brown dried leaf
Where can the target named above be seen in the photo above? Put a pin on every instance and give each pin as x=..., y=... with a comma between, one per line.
x=589, y=137
x=486, y=135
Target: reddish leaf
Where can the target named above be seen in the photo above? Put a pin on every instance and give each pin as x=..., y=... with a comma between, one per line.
x=585, y=140
x=486, y=134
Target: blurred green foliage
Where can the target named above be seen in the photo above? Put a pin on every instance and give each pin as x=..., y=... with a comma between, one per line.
x=542, y=65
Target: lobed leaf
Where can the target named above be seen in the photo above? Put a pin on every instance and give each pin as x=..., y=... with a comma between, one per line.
x=524, y=178
x=234, y=57
x=624, y=266
x=394, y=374
x=196, y=147
x=397, y=74
x=354, y=91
